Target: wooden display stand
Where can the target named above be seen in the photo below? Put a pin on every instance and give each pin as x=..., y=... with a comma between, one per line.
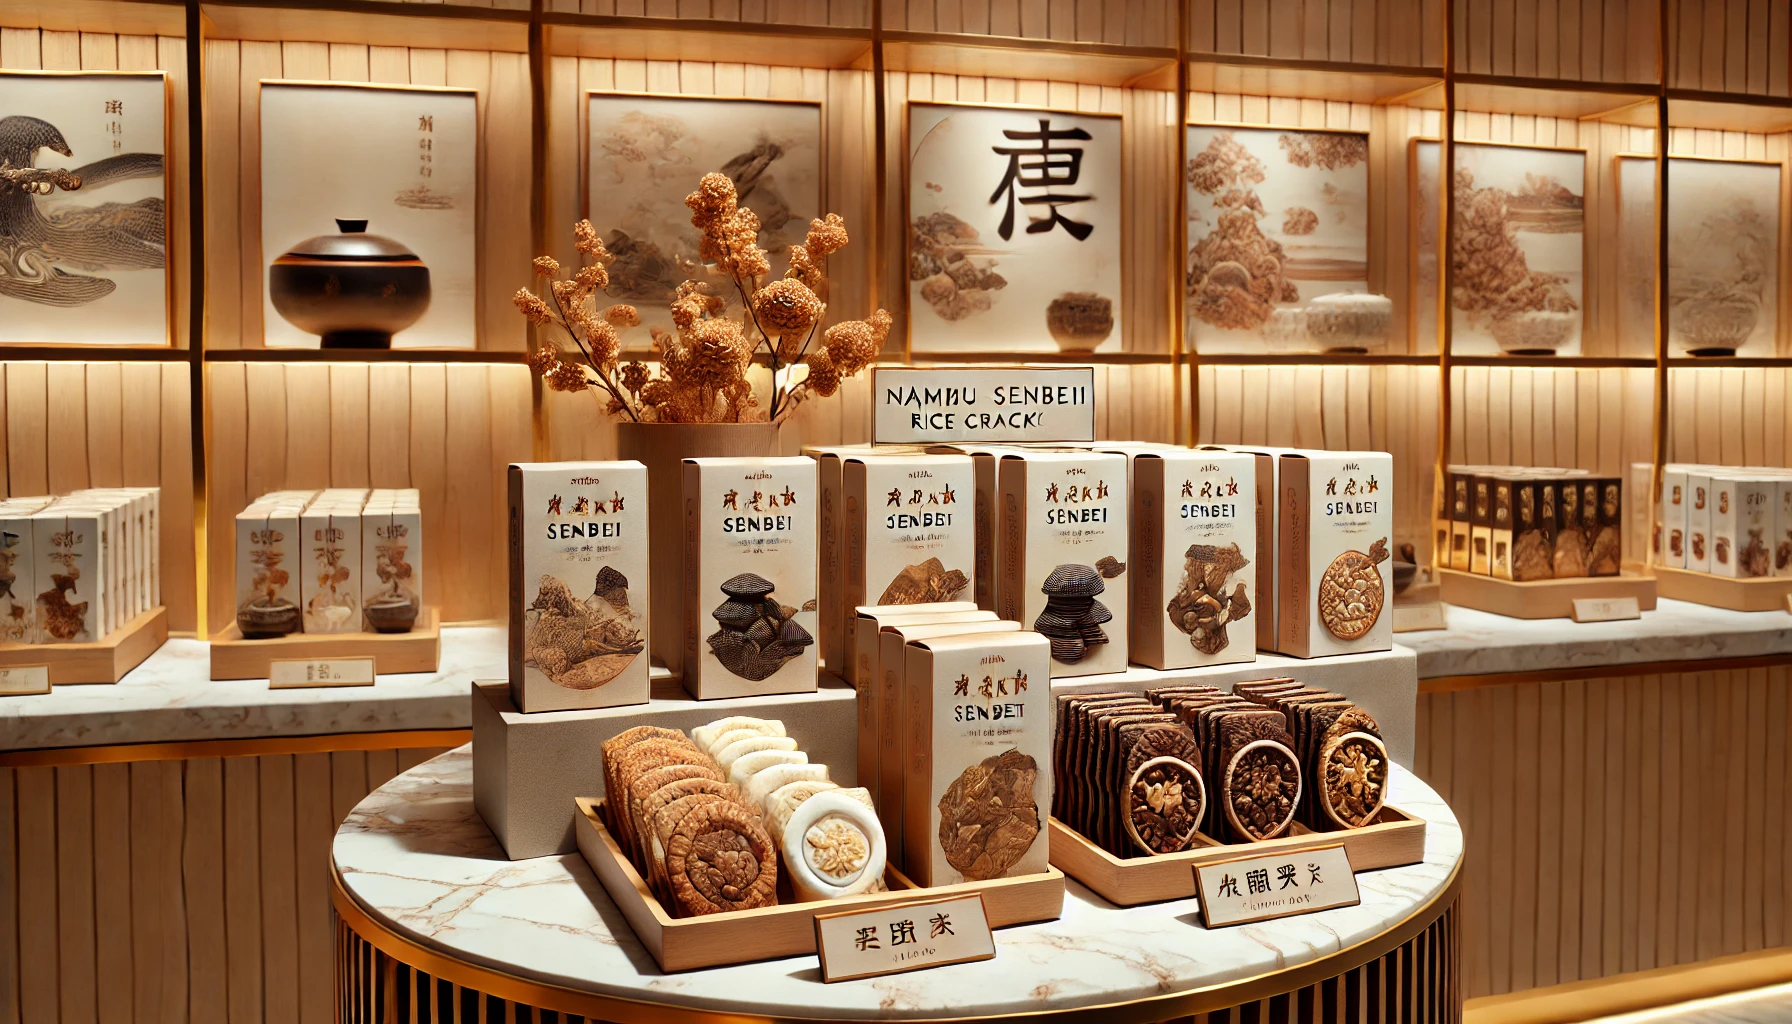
x=741, y=936
x=1542, y=599
x=420, y=650
x=106, y=661
x=1396, y=838
x=1763, y=594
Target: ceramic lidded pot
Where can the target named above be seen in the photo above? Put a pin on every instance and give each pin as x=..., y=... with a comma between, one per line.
x=353, y=288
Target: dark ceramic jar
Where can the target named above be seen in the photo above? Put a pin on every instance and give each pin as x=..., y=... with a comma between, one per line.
x=354, y=289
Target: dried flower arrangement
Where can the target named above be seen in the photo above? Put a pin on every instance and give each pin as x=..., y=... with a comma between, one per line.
x=703, y=368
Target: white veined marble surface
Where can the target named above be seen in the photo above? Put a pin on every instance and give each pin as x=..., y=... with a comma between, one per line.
x=1478, y=642
x=419, y=859
x=171, y=697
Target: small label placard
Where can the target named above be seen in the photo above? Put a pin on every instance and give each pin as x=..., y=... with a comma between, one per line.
x=1412, y=618
x=17, y=680
x=1605, y=609
x=300, y=673
x=1257, y=888
x=982, y=404
x=899, y=937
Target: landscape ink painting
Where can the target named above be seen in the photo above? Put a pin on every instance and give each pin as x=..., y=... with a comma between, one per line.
x=1278, y=230
x=85, y=265
x=1014, y=230
x=644, y=154
x=1517, y=274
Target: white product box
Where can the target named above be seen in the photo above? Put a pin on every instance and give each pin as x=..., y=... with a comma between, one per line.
x=1194, y=545
x=1336, y=585
x=579, y=600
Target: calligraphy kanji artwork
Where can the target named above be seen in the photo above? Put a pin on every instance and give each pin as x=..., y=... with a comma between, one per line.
x=1015, y=229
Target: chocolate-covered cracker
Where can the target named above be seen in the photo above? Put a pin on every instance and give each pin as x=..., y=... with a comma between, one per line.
x=1165, y=797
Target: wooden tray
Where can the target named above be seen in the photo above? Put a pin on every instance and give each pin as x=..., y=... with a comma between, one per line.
x=1396, y=838
x=106, y=661
x=1763, y=594
x=1541, y=599
x=741, y=936
x=420, y=650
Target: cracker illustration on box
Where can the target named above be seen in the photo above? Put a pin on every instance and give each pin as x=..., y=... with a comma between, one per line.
x=1073, y=616
x=1202, y=608
x=758, y=634
x=988, y=817
x=582, y=644
x=1351, y=593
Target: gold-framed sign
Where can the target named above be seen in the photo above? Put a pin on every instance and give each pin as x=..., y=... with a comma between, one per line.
x=306, y=673
x=1257, y=887
x=900, y=937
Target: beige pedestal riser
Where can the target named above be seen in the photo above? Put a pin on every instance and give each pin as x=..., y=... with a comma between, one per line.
x=527, y=769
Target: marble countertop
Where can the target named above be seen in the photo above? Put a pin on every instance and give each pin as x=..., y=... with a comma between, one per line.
x=172, y=698
x=418, y=858
x=1478, y=643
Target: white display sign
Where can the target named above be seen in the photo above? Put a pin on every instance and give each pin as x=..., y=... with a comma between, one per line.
x=893, y=938
x=983, y=404
x=299, y=673
x=16, y=680
x=1257, y=888
x=1606, y=609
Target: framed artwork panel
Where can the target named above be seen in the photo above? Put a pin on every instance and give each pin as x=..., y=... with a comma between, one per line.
x=403, y=158
x=1279, y=218
x=645, y=153
x=1014, y=229
x=87, y=266
x=1521, y=212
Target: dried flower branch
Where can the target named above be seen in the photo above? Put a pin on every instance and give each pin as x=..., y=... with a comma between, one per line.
x=703, y=365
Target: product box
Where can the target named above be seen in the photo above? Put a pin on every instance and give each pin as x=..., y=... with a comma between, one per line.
x=1782, y=528
x=909, y=531
x=1569, y=554
x=1266, y=528
x=886, y=780
x=1461, y=518
x=870, y=619
x=18, y=570
x=580, y=602
x=750, y=606
x=1698, y=519
x=977, y=785
x=1670, y=523
x=833, y=613
x=1603, y=505
x=1064, y=535
x=1480, y=535
x=70, y=603
x=1742, y=509
x=269, y=561
x=1501, y=517
x=1337, y=519
x=391, y=564
x=1193, y=543
x=985, y=514
x=1533, y=530
x=330, y=528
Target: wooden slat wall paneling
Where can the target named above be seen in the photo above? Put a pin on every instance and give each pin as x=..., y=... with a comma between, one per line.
x=157, y=892
x=1127, y=22
x=1624, y=854
x=1735, y=46
x=1404, y=32
x=1584, y=40
x=1728, y=415
x=234, y=272
x=280, y=425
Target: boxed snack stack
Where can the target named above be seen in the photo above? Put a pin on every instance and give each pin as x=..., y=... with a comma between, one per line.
x=977, y=786
x=18, y=569
x=1742, y=523
x=70, y=569
x=908, y=531
x=268, y=565
x=750, y=607
x=1698, y=519
x=1782, y=528
x=1336, y=521
x=579, y=608
x=1670, y=529
x=1064, y=533
x=391, y=561
x=1193, y=541
x=330, y=587
x=867, y=680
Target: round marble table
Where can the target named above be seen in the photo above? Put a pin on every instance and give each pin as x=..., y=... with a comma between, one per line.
x=435, y=924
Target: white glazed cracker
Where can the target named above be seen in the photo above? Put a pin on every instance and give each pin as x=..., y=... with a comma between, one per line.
x=726, y=756
x=767, y=783
x=833, y=846
x=782, y=802
x=747, y=764
x=706, y=735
